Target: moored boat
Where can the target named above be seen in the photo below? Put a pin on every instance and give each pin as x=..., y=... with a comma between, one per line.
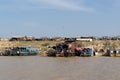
x=21, y=51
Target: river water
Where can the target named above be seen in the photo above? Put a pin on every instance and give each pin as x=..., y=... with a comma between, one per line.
x=47, y=68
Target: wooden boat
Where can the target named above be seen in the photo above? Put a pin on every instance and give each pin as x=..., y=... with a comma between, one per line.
x=21, y=51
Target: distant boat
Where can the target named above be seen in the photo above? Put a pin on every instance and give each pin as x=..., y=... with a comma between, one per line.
x=113, y=53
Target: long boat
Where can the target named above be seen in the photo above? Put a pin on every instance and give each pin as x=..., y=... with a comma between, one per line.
x=21, y=51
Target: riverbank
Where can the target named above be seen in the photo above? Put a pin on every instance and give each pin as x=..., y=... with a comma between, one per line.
x=98, y=44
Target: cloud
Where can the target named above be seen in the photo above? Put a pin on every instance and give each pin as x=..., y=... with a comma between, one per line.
x=65, y=4
x=49, y=4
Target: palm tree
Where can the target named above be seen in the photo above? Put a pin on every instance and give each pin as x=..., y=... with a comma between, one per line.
x=106, y=45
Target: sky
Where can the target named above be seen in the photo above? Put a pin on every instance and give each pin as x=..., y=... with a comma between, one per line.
x=63, y=18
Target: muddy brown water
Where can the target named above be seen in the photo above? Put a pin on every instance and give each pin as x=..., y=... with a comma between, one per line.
x=47, y=68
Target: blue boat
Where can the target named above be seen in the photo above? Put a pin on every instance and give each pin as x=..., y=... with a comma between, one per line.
x=22, y=51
